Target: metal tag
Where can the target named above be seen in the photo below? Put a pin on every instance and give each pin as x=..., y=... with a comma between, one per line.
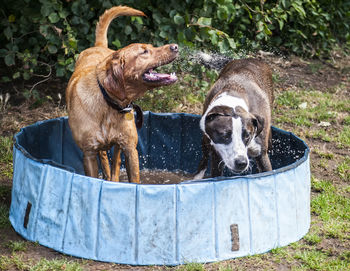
x=129, y=116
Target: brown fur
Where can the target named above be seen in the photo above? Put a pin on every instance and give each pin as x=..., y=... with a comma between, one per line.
x=96, y=127
x=253, y=69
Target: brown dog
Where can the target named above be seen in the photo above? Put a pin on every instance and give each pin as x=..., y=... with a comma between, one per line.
x=236, y=118
x=100, y=94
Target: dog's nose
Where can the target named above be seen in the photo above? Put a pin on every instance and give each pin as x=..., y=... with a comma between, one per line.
x=241, y=163
x=174, y=47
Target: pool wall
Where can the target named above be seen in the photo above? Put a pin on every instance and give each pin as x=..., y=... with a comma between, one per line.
x=140, y=224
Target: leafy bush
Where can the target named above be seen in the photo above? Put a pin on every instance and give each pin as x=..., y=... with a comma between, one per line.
x=40, y=36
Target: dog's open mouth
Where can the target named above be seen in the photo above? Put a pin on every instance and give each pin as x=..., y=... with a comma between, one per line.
x=152, y=76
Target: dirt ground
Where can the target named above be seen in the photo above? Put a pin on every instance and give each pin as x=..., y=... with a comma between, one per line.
x=292, y=73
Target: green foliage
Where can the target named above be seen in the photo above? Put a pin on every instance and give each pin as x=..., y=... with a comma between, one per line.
x=43, y=35
x=17, y=246
x=330, y=205
x=312, y=239
x=344, y=137
x=343, y=169
x=5, y=192
x=14, y=262
x=315, y=259
x=56, y=265
x=192, y=267
x=17, y=262
x=4, y=214
x=6, y=156
x=6, y=149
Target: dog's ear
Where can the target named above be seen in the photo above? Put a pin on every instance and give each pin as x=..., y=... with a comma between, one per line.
x=114, y=81
x=259, y=123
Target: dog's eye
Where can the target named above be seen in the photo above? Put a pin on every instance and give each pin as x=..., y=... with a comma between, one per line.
x=246, y=136
x=226, y=135
x=145, y=52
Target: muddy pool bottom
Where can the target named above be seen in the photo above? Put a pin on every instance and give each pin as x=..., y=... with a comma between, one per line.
x=155, y=176
x=172, y=223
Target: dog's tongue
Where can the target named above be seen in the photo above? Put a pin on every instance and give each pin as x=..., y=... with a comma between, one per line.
x=154, y=76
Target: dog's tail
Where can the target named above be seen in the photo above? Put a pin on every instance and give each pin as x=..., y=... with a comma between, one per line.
x=213, y=61
x=107, y=17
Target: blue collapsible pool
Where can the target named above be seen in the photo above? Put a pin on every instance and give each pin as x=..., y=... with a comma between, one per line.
x=54, y=204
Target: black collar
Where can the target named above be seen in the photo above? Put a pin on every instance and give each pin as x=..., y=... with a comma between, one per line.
x=120, y=109
x=115, y=105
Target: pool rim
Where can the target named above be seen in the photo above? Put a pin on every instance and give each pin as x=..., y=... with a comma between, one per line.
x=190, y=181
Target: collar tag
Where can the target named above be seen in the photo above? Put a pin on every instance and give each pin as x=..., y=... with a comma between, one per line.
x=129, y=116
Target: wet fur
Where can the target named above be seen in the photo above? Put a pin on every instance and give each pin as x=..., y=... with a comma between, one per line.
x=248, y=83
x=96, y=127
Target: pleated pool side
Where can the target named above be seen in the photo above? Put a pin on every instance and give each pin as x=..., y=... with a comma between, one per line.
x=158, y=224
x=154, y=224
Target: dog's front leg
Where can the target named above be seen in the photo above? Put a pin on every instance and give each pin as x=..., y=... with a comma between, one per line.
x=202, y=168
x=90, y=163
x=263, y=162
x=217, y=166
x=132, y=165
x=203, y=165
x=105, y=165
x=116, y=164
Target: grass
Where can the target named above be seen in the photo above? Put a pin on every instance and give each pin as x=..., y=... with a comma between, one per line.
x=5, y=191
x=192, y=267
x=59, y=265
x=344, y=137
x=17, y=262
x=4, y=214
x=330, y=205
x=310, y=257
x=311, y=107
x=318, y=260
x=346, y=120
x=16, y=246
x=327, y=113
x=326, y=155
x=6, y=156
x=343, y=169
x=14, y=262
x=332, y=208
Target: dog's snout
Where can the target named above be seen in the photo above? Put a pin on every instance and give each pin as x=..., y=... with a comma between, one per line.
x=174, y=47
x=241, y=163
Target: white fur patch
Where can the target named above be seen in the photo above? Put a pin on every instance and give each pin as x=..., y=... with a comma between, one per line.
x=200, y=175
x=236, y=148
x=229, y=153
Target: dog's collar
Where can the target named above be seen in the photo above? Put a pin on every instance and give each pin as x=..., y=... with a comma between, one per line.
x=123, y=110
x=112, y=103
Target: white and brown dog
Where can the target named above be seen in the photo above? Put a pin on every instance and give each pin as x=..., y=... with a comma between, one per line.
x=236, y=119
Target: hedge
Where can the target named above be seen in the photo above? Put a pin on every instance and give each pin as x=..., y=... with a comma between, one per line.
x=38, y=36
